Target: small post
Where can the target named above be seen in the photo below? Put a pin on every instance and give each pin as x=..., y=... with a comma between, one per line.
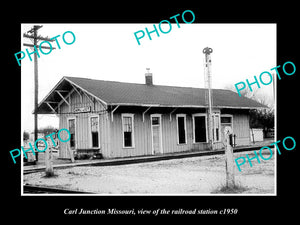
x=49, y=159
x=229, y=162
x=71, y=153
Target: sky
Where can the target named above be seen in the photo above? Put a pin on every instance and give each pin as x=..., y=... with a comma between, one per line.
x=111, y=52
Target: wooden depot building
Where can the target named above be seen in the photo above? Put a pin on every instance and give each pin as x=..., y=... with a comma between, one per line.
x=120, y=119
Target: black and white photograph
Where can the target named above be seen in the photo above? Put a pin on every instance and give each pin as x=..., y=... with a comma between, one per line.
x=138, y=112
x=153, y=118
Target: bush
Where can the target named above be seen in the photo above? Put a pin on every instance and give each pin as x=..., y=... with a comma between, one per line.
x=262, y=118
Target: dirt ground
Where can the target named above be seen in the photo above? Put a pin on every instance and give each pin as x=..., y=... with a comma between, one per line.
x=196, y=175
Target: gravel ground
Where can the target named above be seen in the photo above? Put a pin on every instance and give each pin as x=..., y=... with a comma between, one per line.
x=197, y=175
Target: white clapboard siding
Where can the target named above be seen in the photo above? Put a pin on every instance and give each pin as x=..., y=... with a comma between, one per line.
x=111, y=134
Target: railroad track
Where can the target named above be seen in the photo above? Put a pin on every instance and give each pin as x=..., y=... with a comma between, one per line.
x=30, y=189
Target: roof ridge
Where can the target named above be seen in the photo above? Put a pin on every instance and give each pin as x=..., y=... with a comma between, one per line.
x=154, y=85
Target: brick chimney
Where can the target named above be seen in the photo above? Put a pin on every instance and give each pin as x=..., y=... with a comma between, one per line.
x=148, y=77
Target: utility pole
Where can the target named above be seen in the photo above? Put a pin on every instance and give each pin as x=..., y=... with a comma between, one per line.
x=207, y=81
x=35, y=39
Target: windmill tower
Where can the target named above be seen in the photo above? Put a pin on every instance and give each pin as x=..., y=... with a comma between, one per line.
x=208, y=92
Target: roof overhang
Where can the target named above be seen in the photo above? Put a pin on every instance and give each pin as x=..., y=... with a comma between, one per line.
x=183, y=106
x=59, y=94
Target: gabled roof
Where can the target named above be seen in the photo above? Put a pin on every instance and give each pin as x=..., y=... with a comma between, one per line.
x=120, y=93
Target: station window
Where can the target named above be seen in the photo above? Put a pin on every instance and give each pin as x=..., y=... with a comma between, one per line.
x=216, y=127
x=95, y=131
x=128, y=131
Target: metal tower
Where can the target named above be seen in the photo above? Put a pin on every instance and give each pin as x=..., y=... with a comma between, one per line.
x=208, y=92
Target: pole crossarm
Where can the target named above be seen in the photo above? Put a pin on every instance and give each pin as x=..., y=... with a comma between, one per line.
x=38, y=37
x=38, y=46
x=35, y=28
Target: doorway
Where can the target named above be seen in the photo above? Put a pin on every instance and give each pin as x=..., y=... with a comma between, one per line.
x=156, y=134
x=199, y=128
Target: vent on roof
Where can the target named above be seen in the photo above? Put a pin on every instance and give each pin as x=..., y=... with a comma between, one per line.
x=148, y=77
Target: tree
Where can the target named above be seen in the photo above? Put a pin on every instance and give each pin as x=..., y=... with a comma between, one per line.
x=25, y=135
x=47, y=130
x=263, y=117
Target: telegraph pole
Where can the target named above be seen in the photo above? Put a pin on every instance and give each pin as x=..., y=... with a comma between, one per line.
x=35, y=39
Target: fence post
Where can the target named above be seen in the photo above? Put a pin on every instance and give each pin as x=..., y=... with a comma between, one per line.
x=229, y=162
x=49, y=159
x=71, y=153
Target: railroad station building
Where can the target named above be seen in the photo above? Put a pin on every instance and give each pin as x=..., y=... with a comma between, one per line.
x=118, y=119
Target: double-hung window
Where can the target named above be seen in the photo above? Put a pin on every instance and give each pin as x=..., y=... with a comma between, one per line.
x=128, y=130
x=94, y=126
x=216, y=127
x=226, y=120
